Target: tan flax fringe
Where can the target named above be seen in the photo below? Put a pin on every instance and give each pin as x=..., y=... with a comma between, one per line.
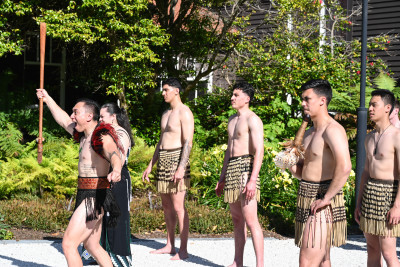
x=168, y=161
x=237, y=175
x=334, y=215
x=167, y=187
x=231, y=196
x=378, y=199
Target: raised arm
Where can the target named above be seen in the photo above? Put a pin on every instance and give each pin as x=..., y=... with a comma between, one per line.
x=257, y=140
x=336, y=139
x=187, y=128
x=61, y=117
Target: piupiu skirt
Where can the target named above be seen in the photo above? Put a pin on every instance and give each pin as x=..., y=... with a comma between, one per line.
x=378, y=199
x=335, y=214
x=168, y=162
x=237, y=175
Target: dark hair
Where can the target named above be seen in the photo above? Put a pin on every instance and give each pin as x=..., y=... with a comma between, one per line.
x=320, y=87
x=173, y=82
x=386, y=96
x=245, y=87
x=396, y=104
x=122, y=118
x=91, y=106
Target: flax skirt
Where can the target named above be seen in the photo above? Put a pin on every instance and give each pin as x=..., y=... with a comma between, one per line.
x=335, y=213
x=237, y=175
x=378, y=199
x=168, y=161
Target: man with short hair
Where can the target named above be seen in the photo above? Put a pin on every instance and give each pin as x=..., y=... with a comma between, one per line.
x=239, y=176
x=394, y=116
x=99, y=150
x=173, y=168
x=320, y=213
x=378, y=204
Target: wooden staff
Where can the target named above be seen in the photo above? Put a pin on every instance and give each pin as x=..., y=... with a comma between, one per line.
x=42, y=53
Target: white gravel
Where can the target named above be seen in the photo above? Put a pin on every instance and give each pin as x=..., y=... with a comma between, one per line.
x=203, y=252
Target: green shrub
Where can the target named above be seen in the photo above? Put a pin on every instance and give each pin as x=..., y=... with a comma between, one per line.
x=47, y=214
x=5, y=233
x=56, y=174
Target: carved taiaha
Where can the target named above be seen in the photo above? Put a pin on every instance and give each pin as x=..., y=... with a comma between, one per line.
x=42, y=53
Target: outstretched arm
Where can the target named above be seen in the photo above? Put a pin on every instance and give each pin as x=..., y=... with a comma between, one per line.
x=336, y=138
x=61, y=117
x=257, y=139
x=112, y=154
x=187, y=127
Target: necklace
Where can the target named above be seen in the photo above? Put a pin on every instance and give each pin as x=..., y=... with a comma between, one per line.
x=379, y=138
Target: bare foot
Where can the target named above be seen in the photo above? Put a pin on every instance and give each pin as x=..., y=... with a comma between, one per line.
x=180, y=256
x=235, y=265
x=164, y=250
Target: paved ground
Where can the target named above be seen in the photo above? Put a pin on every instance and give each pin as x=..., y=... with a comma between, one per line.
x=203, y=252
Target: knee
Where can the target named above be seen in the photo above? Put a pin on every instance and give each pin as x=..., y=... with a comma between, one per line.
x=237, y=219
x=373, y=249
x=68, y=245
x=253, y=223
x=389, y=256
x=180, y=210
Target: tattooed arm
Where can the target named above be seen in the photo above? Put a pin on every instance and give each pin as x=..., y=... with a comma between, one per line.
x=187, y=129
x=112, y=154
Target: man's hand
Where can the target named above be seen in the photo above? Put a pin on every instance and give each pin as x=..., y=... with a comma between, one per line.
x=393, y=216
x=220, y=187
x=319, y=204
x=178, y=176
x=42, y=93
x=114, y=176
x=146, y=173
x=250, y=190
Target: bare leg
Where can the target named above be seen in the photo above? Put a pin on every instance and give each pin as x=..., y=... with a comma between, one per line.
x=78, y=231
x=315, y=231
x=240, y=233
x=170, y=221
x=178, y=201
x=388, y=246
x=249, y=211
x=326, y=261
x=373, y=250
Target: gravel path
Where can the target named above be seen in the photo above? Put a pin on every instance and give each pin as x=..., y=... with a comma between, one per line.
x=203, y=252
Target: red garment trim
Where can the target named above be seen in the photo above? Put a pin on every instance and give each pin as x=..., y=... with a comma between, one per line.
x=97, y=140
x=93, y=183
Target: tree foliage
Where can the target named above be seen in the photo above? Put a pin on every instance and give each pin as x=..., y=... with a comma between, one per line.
x=292, y=51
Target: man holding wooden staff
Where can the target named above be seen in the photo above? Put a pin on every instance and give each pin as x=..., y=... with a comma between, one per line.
x=320, y=212
x=99, y=150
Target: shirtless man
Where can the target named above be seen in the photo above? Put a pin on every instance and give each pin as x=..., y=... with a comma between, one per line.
x=394, y=116
x=86, y=222
x=239, y=176
x=173, y=169
x=378, y=204
x=320, y=213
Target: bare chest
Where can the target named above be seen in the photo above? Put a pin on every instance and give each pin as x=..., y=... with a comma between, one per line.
x=380, y=147
x=170, y=122
x=315, y=146
x=238, y=128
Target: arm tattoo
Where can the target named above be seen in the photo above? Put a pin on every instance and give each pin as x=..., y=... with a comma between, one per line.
x=110, y=155
x=185, y=154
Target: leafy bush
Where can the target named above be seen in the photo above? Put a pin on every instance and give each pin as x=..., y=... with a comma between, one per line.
x=5, y=233
x=46, y=214
x=56, y=174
